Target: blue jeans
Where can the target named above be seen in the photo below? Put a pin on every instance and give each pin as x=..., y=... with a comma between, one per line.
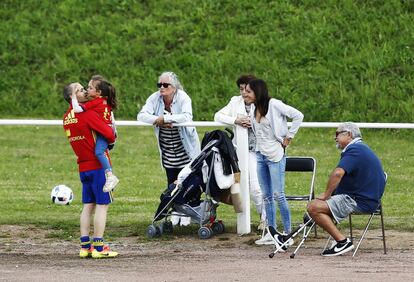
x=272, y=182
x=100, y=148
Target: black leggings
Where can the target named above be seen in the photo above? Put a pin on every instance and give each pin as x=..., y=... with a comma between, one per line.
x=172, y=174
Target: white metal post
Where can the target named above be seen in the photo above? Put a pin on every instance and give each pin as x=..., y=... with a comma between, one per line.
x=243, y=218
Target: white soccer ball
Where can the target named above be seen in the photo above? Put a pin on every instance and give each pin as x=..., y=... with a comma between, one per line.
x=61, y=195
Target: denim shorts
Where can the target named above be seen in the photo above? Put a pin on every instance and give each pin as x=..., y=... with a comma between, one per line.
x=341, y=206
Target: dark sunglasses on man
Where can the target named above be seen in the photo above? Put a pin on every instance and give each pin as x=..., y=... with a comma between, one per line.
x=339, y=132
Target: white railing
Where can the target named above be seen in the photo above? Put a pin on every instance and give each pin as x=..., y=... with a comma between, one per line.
x=212, y=123
x=243, y=219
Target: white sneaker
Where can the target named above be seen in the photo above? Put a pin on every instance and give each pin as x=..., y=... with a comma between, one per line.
x=111, y=182
x=185, y=220
x=175, y=218
x=265, y=240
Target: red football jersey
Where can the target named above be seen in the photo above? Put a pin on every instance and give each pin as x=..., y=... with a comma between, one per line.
x=99, y=105
x=80, y=129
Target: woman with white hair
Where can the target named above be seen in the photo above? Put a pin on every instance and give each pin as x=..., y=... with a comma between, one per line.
x=169, y=105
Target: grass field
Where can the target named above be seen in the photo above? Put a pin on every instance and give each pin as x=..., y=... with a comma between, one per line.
x=35, y=159
x=334, y=60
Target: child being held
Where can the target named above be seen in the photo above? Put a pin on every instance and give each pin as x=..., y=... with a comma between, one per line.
x=103, y=101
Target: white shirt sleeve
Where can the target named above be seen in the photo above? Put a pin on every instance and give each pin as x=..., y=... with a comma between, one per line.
x=291, y=113
x=226, y=114
x=147, y=112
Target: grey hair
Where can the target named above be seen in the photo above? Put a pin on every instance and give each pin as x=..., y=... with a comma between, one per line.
x=175, y=82
x=350, y=127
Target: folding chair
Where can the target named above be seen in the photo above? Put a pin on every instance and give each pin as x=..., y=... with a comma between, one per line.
x=371, y=215
x=308, y=165
x=302, y=164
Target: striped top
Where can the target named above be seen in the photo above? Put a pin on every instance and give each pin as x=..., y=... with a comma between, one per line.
x=173, y=154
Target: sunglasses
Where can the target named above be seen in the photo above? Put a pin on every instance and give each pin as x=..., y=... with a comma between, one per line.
x=339, y=132
x=165, y=85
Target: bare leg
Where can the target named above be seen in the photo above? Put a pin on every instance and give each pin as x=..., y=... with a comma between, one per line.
x=100, y=220
x=85, y=219
x=321, y=214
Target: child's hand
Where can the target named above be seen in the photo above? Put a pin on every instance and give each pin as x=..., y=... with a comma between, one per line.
x=111, y=146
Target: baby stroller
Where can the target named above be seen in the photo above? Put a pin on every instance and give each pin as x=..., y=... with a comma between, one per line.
x=196, y=179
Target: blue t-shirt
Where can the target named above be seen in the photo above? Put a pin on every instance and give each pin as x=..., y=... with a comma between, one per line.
x=364, y=178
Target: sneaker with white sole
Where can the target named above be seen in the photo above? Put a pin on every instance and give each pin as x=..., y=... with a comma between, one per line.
x=280, y=241
x=111, y=182
x=265, y=240
x=338, y=249
x=277, y=238
x=290, y=241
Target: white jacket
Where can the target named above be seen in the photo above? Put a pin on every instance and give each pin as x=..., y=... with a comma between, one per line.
x=181, y=111
x=229, y=113
x=277, y=114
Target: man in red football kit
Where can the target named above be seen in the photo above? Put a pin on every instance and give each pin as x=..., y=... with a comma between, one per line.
x=81, y=129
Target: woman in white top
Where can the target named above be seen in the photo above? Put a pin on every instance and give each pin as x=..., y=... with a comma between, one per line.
x=236, y=112
x=169, y=105
x=269, y=122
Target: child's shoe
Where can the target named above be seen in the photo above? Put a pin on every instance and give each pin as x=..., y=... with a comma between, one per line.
x=111, y=182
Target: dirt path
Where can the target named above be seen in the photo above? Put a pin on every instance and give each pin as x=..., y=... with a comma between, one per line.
x=228, y=257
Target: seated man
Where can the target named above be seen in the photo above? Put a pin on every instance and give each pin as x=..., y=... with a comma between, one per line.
x=358, y=182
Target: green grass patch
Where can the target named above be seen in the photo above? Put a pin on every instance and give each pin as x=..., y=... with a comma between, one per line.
x=35, y=159
x=333, y=60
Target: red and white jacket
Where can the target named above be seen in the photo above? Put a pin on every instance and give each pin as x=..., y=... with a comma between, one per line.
x=81, y=129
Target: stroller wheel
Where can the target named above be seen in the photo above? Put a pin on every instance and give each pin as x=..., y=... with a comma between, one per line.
x=159, y=231
x=218, y=227
x=204, y=232
x=151, y=231
x=167, y=227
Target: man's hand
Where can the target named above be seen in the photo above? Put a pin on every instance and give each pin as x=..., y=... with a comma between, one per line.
x=323, y=197
x=333, y=181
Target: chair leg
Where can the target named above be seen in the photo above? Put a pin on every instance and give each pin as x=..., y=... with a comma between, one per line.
x=305, y=236
x=363, y=234
x=383, y=231
x=327, y=243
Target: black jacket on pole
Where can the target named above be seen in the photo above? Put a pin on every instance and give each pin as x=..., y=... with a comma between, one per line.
x=226, y=148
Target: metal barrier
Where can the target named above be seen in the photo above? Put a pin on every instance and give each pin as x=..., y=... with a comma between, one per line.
x=212, y=123
x=243, y=219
